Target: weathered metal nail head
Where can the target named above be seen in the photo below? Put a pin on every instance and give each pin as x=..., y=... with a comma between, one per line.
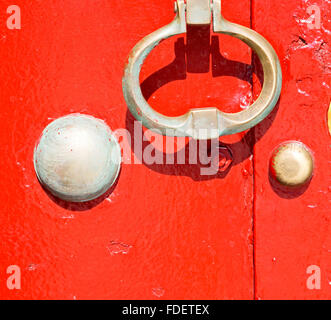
x=77, y=158
x=292, y=164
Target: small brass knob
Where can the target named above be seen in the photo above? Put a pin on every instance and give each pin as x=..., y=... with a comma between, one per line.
x=292, y=164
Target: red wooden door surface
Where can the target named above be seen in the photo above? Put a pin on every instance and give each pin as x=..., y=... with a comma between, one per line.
x=163, y=231
x=293, y=228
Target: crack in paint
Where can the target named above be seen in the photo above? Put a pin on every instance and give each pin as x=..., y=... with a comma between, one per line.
x=116, y=247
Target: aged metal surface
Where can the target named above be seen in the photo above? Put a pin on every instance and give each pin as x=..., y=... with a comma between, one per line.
x=77, y=158
x=191, y=124
x=198, y=12
x=292, y=164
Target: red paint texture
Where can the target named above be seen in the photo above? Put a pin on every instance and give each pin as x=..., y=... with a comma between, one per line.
x=163, y=231
x=292, y=228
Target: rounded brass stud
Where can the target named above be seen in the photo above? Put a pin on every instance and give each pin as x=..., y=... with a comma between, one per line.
x=77, y=158
x=292, y=164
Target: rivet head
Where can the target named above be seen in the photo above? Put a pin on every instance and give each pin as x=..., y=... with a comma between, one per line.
x=77, y=158
x=292, y=164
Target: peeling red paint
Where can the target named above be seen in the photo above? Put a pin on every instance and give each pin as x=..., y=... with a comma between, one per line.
x=291, y=230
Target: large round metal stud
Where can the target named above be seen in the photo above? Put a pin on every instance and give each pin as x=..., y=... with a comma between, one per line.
x=292, y=164
x=77, y=158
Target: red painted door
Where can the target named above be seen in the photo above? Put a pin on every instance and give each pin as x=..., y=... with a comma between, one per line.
x=163, y=231
x=292, y=228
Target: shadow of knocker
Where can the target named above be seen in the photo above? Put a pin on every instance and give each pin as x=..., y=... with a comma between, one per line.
x=198, y=50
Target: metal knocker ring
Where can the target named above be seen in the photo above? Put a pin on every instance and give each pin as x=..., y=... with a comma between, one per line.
x=206, y=123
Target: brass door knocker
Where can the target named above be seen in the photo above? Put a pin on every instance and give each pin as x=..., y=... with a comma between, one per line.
x=195, y=122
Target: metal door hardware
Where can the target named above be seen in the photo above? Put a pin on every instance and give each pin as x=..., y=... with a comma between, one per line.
x=292, y=164
x=77, y=158
x=218, y=123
